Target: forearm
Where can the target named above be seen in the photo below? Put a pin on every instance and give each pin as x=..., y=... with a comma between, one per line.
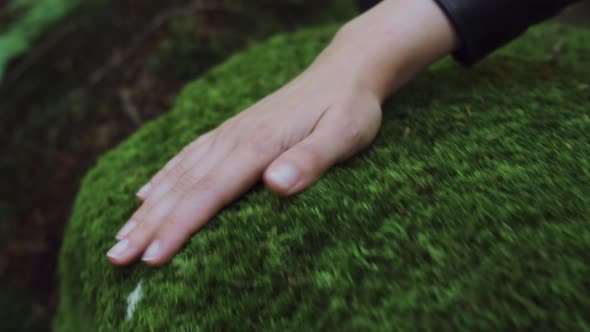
x=388, y=45
x=485, y=25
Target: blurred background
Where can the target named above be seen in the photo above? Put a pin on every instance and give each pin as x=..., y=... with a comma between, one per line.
x=76, y=78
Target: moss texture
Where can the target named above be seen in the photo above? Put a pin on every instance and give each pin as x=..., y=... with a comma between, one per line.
x=469, y=211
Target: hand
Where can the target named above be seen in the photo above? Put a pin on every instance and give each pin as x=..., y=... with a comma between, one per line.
x=291, y=137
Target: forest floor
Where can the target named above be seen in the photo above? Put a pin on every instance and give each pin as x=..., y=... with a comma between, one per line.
x=96, y=78
x=79, y=93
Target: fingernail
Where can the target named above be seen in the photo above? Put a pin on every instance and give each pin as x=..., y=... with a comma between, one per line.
x=152, y=251
x=284, y=176
x=126, y=230
x=144, y=191
x=118, y=249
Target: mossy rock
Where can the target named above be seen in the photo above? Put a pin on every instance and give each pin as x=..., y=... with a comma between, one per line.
x=469, y=211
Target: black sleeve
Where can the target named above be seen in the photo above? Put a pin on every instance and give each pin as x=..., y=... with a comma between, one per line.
x=485, y=25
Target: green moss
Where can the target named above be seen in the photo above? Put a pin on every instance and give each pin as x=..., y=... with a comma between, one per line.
x=469, y=211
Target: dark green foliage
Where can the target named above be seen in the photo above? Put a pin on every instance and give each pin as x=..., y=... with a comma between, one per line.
x=22, y=21
x=469, y=211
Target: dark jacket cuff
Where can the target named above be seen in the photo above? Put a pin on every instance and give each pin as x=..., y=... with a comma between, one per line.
x=486, y=25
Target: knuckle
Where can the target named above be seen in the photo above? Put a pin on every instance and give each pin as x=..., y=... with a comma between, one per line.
x=263, y=140
x=203, y=138
x=176, y=172
x=260, y=148
x=263, y=132
x=353, y=133
x=229, y=125
x=313, y=155
x=209, y=188
x=191, y=147
x=141, y=214
x=184, y=183
x=168, y=166
x=186, y=149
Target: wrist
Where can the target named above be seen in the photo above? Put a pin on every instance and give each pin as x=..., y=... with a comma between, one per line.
x=385, y=47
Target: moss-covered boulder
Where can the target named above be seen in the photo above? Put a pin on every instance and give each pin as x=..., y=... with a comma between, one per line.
x=469, y=212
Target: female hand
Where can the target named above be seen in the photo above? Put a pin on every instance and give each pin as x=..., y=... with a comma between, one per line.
x=291, y=137
x=324, y=116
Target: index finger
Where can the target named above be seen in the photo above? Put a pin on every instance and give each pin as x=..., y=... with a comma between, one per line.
x=236, y=175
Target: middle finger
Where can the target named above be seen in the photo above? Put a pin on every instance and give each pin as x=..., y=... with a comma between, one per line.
x=162, y=200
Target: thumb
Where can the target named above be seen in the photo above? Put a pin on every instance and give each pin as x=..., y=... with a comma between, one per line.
x=331, y=141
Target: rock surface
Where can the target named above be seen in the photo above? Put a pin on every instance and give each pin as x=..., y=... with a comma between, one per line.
x=469, y=211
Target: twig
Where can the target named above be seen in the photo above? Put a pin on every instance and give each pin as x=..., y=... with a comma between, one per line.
x=129, y=107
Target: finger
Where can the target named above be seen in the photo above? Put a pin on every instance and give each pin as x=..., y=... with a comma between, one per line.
x=144, y=191
x=131, y=247
x=236, y=174
x=196, y=164
x=175, y=168
x=332, y=141
x=188, y=150
x=159, y=204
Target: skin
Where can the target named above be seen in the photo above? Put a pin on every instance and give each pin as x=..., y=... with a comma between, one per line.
x=324, y=116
